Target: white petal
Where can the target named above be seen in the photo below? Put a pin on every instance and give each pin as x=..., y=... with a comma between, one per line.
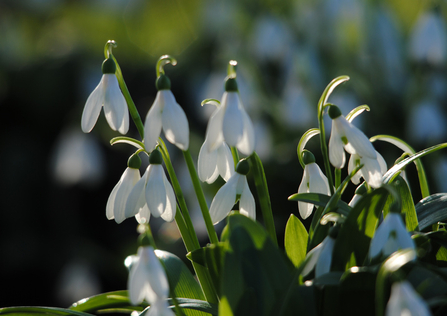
x=137, y=199
x=247, y=144
x=336, y=150
x=233, y=123
x=304, y=208
x=136, y=283
x=155, y=190
x=110, y=213
x=144, y=215
x=128, y=180
x=224, y=199
x=175, y=124
x=207, y=164
x=247, y=205
x=214, y=133
x=115, y=106
x=160, y=308
x=371, y=172
x=354, y=200
x=312, y=258
x=357, y=140
x=92, y=108
x=382, y=163
x=169, y=213
x=404, y=300
x=318, y=183
x=153, y=123
x=156, y=274
x=225, y=162
x=324, y=261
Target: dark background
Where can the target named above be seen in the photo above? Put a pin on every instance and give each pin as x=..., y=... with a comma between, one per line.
x=56, y=245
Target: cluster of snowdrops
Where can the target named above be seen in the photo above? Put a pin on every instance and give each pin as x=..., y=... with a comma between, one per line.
x=379, y=254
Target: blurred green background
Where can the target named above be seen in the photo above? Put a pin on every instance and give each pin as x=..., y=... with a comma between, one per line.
x=56, y=245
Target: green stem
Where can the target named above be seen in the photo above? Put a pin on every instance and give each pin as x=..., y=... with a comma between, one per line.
x=263, y=195
x=337, y=173
x=200, y=197
x=324, y=151
x=235, y=155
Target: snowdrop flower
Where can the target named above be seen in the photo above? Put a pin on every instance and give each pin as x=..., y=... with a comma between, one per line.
x=405, y=301
x=148, y=281
x=372, y=170
x=231, y=123
x=320, y=257
x=227, y=195
x=118, y=197
x=390, y=236
x=152, y=194
x=166, y=113
x=213, y=163
x=314, y=181
x=347, y=136
x=107, y=94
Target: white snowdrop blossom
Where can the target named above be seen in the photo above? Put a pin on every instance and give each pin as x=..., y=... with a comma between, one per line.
x=231, y=123
x=314, y=181
x=115, y=208
x=359, y=192
x=345, y=136
x=226, y=197
x=109, y=95
x=168, y=115
x=372, y=170
x=404, y=301
x=148, y=281
x=152, y=194
x=320, y=257
x=216, y=162
x=390, y=236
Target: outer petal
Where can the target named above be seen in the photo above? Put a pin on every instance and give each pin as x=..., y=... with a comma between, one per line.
x=160, y=308
x=233, y=124
x=128, y=180
x=312, y=258
x=224, y=199
x=304, y=208
x=247, y=205
x=110, y=213
x=351, y=166
x=336, y=151
x=248, y=142
x=153, y=123
x=324, y=261
x=115, y=106
x=371, y=172
x=207, y=164
x=318, y=183
x=156, y=274
x=136, y=200
x=143, y=215
x=225, y=162
x=175, y=124
x=138, y=284
x=214, y=133
x=155, y=190
x=169, y=213
x=92, y=108
x=357, y=140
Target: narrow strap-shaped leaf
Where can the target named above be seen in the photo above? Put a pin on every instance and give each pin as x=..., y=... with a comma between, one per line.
x=320, y=200
x=432, y=210
x=41, y=310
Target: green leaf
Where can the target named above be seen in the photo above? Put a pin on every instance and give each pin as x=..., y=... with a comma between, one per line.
x=181, y=281
x=189, y=305
x=328, y=91
x=320, y=200
x=295, y=240
x=116, y=299
x=38, y=310
x=407, y=204
x=431, y=210
x=255, y=230
x=356, y=232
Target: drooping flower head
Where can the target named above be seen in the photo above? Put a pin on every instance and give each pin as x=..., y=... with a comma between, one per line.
x=213, y=163
x=390, y=236
x=231, y=123
x=372, y=170
x=148, y=281
x=108, y=95
x=345, y=136
x=115, y=208
x=236, y=188
x=152, y=194
x=314, y=181
x=168, y=115
x=405, y=301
